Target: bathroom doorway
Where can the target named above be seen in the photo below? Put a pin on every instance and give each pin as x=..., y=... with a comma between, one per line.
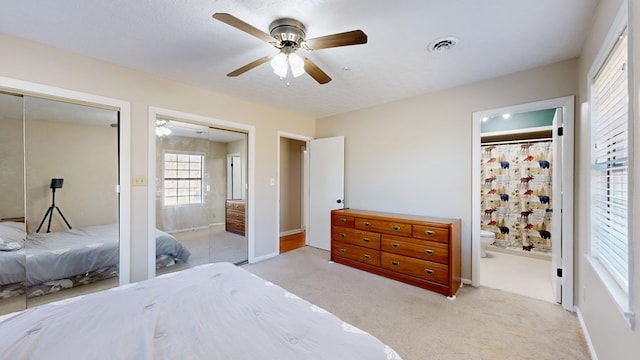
x=522, y=179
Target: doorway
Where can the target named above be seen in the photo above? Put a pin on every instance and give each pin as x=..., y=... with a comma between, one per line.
x=531, y=216
x=292, y=182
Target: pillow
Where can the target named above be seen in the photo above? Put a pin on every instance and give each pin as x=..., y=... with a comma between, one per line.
x=12, y=235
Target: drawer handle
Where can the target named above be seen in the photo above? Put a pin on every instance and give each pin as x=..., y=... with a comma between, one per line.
x=428, y=252
x=429, y=232
x=343, y=220
x=395, y=263
x=366, y=240
x=367, y=257
x=396, y=228
x=343, y=234
x=343, y=251
x=429, y=272
x=395, y=246
x=366, y=224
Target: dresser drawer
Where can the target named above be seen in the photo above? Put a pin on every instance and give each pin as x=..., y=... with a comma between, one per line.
x=234, y=215
x=431, y=233
x=356, y=253
x=389, y=227
x=235, y=226
x=235, y=205
x=342, y=220
x=424, y=269
x=422, y=249
x=356, y=237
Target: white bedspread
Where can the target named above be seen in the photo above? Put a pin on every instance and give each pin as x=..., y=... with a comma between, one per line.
x=214, y=311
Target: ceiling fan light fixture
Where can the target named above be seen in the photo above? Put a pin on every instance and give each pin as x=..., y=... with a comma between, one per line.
x=279, y=65
x=297, y=64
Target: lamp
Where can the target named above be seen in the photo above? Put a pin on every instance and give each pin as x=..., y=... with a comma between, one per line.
x=287, y=59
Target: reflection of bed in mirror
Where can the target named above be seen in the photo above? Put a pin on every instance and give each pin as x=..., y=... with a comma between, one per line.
x=230, y=313
x=65, y=259
x=12, y=259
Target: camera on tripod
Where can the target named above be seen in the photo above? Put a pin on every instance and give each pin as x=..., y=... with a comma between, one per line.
x=55, y=184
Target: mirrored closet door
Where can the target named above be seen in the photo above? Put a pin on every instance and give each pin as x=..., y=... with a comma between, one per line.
x=67, y=182
x=12, y=207
x=200, y=195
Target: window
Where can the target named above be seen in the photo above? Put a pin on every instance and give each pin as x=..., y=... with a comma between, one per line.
x=610, y=242
x=182, y=178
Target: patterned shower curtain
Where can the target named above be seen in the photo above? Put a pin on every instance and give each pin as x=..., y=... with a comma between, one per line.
x=516, y=194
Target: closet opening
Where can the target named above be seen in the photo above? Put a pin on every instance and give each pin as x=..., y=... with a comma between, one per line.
x=64, y=218
x=199, y=189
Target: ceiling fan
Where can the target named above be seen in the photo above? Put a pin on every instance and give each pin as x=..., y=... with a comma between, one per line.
x=288, y=35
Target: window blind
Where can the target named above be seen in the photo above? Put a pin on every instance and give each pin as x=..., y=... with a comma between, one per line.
x=610, y=165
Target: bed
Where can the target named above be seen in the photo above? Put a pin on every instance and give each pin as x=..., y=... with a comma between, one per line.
x=68, y=258
x=212, y=311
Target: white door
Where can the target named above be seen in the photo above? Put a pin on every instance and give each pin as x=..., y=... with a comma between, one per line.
x=326, y=188
x=556, y=217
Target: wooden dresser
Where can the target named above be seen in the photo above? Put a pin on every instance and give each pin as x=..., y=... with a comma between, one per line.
x=418, y=250
x=235, y=216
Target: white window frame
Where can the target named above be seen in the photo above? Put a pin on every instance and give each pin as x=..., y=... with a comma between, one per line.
x=164, y=178
x=621, y=293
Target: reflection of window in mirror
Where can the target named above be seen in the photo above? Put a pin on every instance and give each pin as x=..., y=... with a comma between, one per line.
x=182, y=180
x=234, y=177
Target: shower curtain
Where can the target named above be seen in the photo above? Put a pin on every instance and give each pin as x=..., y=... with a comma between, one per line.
x=516, y=194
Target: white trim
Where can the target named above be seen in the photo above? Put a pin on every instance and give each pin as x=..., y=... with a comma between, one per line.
x=567, y=104
x=587, y=338
x=291, y=232
x=624, y=302
x=264, y=257
x=124, y=221
x=305, y=181
x=154, y=112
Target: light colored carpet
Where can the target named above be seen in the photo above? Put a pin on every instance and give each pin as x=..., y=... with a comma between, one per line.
x=481, y=323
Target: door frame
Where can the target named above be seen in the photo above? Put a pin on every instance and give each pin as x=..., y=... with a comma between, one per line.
x=124, y=156
x=154, y=112
x=567, y=106
x=305, y=182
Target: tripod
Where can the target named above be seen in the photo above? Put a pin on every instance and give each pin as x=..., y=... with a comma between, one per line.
x=50, y=213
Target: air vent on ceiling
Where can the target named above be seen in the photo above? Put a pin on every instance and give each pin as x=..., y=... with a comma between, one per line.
x=443, y=44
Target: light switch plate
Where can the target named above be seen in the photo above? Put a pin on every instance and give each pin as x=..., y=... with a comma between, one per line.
x=139, y=180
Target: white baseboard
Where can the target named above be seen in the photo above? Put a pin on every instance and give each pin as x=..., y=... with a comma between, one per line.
x=194, y=229
x=291, y=232
x=466, y=281
x=585, y=332
x=263, y=257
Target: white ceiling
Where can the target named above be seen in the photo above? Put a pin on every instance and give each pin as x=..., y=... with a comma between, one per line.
x=178, y=39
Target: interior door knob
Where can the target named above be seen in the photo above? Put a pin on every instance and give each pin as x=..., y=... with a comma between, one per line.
x=339, y=201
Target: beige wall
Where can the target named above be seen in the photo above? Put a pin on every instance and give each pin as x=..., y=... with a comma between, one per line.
x=12, y=165
x=30, y=61
x=86, y=158
x=211, y=211
x=414, y=156
x=610, y=334
x=291, y=184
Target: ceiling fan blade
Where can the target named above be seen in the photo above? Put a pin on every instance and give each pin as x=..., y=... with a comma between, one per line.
x=354, y=37
x=241, y=25
x=249, y=66
x=315, y=72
